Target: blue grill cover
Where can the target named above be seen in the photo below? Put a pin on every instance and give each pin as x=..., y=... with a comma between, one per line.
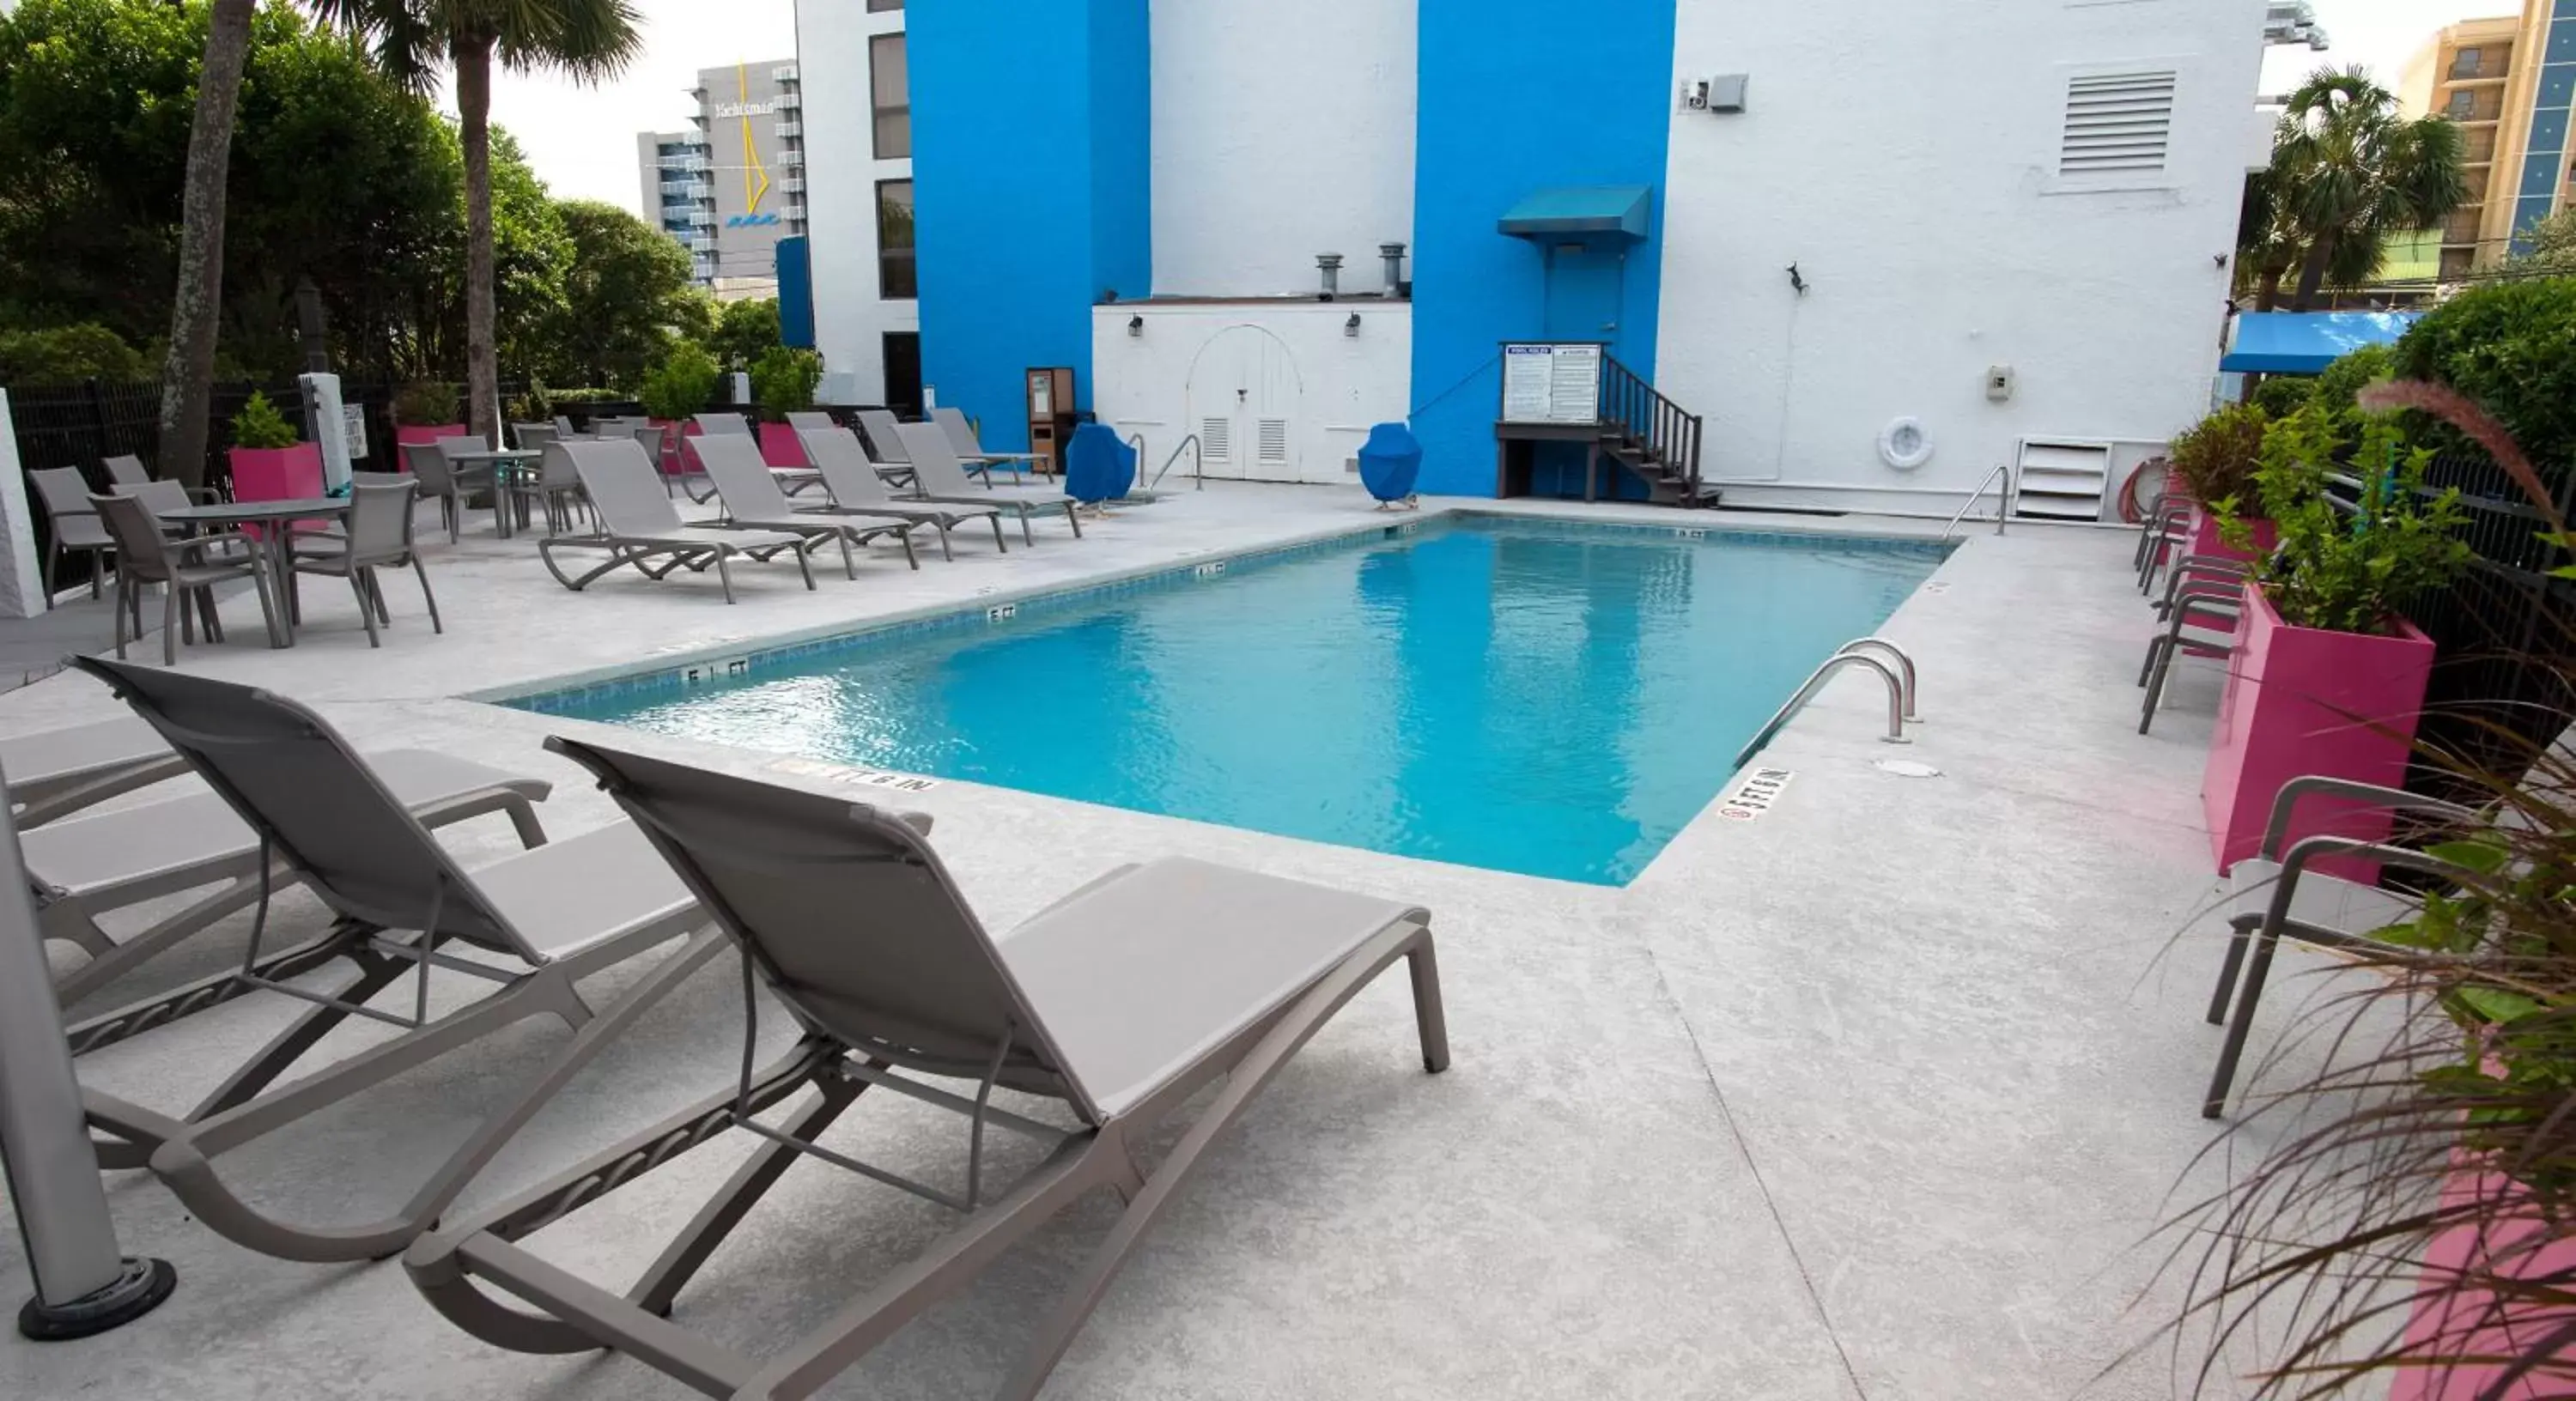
x=1097, y=466
x=1389, y=462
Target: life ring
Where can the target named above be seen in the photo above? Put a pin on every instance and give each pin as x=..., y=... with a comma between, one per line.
x=1904, y=445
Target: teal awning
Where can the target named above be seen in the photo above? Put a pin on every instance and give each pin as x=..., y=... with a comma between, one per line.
x=1619, y=211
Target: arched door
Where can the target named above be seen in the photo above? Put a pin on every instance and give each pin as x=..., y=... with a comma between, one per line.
x=1245, y=398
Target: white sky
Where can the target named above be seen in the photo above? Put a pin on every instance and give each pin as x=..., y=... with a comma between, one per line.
x=582, y=140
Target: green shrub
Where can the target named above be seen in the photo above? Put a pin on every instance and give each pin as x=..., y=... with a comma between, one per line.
x=2348, y=574
x=535, y=406
x=428, y=402
x=2348, y=376
x=681, y=384
x=2280, y=396
x=2511, y=346
x=2216, y=457
x=260, y=425
x=783, y=380
x=68, y=355
x=587, y=396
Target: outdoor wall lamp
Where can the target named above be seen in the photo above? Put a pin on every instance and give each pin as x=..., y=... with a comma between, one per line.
x=1135, y=325
x=1352, y=326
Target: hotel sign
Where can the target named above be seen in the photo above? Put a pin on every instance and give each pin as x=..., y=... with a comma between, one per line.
x=744, y=109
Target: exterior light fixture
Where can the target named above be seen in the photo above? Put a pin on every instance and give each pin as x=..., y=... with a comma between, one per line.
x=1352, y=326
x=1135, y=325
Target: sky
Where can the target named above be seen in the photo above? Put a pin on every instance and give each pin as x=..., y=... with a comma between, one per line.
x=582, y=140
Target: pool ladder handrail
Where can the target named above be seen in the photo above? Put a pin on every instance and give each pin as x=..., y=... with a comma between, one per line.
x=1190, y=445
x=1900, y=681
x=2003, y=501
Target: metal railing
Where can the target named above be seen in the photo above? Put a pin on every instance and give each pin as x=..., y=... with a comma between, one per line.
x=1900, y=693
x=1190, y=445
x=1667, y=434
x=2003, y=501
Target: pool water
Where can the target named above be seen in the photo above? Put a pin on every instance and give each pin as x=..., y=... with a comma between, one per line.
x=1555, y=700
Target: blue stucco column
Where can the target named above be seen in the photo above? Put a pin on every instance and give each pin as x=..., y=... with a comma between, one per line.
x=1518, y=96
x=1032, y=159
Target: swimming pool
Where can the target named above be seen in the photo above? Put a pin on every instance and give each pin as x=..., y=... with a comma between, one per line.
x=1555, y=699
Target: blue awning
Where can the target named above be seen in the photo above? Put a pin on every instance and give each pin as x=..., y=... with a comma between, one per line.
x=2305, y=342
x=1619, y=211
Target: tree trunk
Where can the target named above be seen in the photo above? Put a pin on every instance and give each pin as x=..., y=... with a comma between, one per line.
x=188, y=374
x=473, y=54
x=2267, y=292
x=2312, y=276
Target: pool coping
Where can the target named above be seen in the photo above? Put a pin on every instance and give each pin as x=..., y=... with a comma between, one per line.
x=656, y=671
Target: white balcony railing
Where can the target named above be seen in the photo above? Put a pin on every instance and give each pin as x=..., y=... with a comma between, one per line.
x=783, y=73
x=792, y=184
x=790, y=100
x=789, y=131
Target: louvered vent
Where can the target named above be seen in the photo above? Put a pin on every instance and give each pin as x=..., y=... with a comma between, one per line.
x=1216, y=439
x=1274, y=441
x=2118, y=124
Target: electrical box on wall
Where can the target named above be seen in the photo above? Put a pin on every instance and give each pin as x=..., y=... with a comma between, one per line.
x=1721, y=95
x=1999, y=382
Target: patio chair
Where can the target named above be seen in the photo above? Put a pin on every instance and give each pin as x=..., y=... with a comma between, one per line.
x=856, y=489
x=535, y=924
x=73, y=523
x=639, y=525
x=961, y=436
x=93, y=865
x=127, y=470
x=2203, y=607
x=55, y=773
x=564, y=428
x=1119, y=1003
x=187, y=571
x=438, y=483
x=532, y=436
x=556, y=489
x=939, y=477
x=752, y=501
x=2168, y=535
x=379, y=535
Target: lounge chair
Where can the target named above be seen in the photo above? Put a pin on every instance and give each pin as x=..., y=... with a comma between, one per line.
x=970, y=451
x=882, y=436
x=55, y=773
x=940, y=478
x=90, y=866
x=752, y=501
x=1119, y=1003
x=639, y=525
x=721, y=425
x=810, y=420
x=536, y=923
x=856, y=488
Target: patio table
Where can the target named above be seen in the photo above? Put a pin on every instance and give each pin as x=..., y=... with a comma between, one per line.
x=278, y=551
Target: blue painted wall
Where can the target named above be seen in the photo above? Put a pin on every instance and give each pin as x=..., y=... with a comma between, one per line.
x=1031, y=189
x=1516, y=96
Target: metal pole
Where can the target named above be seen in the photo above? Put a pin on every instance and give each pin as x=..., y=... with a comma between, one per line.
x=83, y=1286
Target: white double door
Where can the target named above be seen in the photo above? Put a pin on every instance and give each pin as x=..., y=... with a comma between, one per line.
x=1244, y=405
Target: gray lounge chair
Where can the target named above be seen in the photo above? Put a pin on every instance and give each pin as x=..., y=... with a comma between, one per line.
x=55, y=773
x=855, y=487
x=73, y=524
x=537, y=924
x=639, y=525
x=1120, y=1003
x=810, y=420
x=882, y=435
x=940, y=478
x=970, y=451
x=752, y=501
x=90, y=866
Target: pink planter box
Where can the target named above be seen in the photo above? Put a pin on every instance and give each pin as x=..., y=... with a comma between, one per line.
x=2451, y=1326
x=779, y=447
x=278, y=474
x=2205, y=538
x=2306, y=701
x=428, y=432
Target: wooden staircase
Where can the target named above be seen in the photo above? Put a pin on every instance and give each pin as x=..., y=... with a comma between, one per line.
x=1653, y=437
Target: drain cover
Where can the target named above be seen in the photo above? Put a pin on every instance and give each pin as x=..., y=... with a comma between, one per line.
x=1908, y=768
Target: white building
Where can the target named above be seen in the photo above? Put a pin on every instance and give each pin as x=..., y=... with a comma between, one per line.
x=2010, y=222
x=859, y=191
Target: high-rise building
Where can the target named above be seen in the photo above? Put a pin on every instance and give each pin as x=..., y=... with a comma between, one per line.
x=2509, y=82
x=733, y=187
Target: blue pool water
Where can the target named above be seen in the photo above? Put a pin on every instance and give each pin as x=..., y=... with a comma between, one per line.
x=1557, y=700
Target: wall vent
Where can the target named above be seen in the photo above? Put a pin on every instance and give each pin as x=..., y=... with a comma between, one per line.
x=2061, y=480
x=2118, y=123
x=1274, y=442
x=1216, y=439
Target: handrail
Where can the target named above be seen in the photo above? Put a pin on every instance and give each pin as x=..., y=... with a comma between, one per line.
x=1895, y=702
x=2003, y=500
x=1198, y=461
x=1904, y=667
x=1642, y=412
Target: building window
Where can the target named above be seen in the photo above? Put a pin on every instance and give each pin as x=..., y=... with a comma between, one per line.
x=895, y=280
x=891, y=90
x=903, y=372
x=2463, y=106
x=2465, y=63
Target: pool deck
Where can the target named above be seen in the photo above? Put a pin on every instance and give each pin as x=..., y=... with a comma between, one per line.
x=1877, y=1096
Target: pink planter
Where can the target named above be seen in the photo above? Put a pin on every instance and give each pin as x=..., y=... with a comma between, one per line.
x=428, y=432
x=2458, y=1325
x=779, y=448
x=2205, y=538
x=2306, y=701
x=278, y=474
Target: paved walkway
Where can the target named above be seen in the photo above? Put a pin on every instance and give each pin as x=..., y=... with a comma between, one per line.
x=1874, y=1097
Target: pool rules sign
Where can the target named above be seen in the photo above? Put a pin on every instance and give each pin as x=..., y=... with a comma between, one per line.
x=1551, y=383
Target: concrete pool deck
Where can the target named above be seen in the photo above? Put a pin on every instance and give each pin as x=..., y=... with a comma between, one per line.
x=1876, y=1096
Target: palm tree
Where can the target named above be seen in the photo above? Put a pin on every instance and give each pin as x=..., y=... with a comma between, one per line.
x=2348, y=173
x=188, y=374
x=586, y=39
